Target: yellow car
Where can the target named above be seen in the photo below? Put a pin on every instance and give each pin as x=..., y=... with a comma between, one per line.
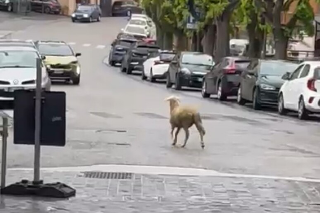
x=61, y=61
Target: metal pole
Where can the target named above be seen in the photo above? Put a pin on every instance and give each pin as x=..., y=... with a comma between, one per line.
x=4, y=152
x=37, y=123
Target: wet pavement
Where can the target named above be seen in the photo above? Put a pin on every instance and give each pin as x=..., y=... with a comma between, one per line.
x=166, y=193
x=113, y=118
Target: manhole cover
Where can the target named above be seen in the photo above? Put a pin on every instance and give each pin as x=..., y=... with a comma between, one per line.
x=151, y=115
x=108, y=175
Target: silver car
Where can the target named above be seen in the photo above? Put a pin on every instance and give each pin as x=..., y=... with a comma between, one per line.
x=18, y=70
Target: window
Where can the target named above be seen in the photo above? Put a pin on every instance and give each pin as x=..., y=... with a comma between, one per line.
x=26, y=59
x=296, y=73
x=276, y=68
x=197, y=59
x=55, y=50
x=305, y=71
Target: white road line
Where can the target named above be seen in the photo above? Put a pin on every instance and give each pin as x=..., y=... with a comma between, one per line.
x=71, y=43
x=100, y=46
x=86, y=45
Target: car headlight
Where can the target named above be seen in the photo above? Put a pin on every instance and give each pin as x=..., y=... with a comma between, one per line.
x=78, y=70
x=267, y=87
x=185, y=71
x=85, y=15
x=73, y=15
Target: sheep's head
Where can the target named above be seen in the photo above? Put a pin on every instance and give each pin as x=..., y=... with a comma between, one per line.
x=173, y=100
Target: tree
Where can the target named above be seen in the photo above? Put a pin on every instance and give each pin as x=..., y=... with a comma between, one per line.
x=273, y=12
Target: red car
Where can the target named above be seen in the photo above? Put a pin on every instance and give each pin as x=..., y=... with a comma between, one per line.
x=150, y=41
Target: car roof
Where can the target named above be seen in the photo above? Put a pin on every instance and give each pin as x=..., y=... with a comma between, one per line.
x=138, y=18
x=135, y=25
x=236, y=58
x=18, y=48
x=276, y=61
x=312, y=62
x=192, y=53
x=51, y=42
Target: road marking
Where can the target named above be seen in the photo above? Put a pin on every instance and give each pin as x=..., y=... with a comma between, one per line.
x=71, y=43
x=86, y=45
x=100, y=46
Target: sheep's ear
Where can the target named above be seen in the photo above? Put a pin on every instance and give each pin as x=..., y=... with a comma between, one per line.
x=167, y=99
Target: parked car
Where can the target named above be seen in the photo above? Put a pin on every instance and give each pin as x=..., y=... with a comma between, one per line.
x=156, y=67
x=60, y=60
x=119, y=48
x=88, y=12
x=150, y=40
x=46, y=6
x=137, y=31
x=141, y=22
x=301, y=90
x=224, y=78
x=7, y=5
x=136, y=55
x=125, y=8
x=18, y=71
x=17, y=42
x=261, y=82
x=188, y=69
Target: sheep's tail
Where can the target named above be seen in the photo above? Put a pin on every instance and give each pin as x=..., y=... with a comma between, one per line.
x=198, y=123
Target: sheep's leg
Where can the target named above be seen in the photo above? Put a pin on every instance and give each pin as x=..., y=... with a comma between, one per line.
x=176, y=136
x=172, y=129
x=200, y=130
x=187, y=136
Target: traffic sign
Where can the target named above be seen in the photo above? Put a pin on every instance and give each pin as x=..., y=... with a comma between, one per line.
x=191, y=23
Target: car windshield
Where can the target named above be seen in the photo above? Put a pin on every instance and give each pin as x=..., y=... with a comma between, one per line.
x=83, y=9
x=317, y=73
x=25, y=59
x=166, y=56
x=132, y=29
x=125, y=43
x=271, y=68
x=197, y=59
x=242, y=64
x=137, y=22
x=55, y=50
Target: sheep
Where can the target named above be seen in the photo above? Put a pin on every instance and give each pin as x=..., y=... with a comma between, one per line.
x=184, y=117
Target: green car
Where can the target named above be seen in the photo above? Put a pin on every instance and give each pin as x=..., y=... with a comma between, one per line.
x=61, y=61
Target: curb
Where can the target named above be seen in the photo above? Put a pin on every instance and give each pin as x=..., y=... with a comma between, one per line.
x=163, y=170
x=5, y=34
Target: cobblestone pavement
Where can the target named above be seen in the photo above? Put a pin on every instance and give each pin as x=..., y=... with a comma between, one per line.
x=164, y=193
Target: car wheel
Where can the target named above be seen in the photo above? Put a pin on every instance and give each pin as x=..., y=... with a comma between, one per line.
x=152, y=79
x=221, y=96
x=99, y=18
x=76, y=80
x=240, y=100
x=73, y=20
x=204, y=90
x=281, y=109
x=168, y=82
x=47, y=10
x=112, y=63
x=256, y=100
x=143, y=76
x=303, y=113
x=177, y=84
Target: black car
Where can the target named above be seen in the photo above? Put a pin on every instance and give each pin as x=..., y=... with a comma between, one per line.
x=224, y=77
x=188, y=69
x=119, y=48
x=87, y=12
x=261, y=82
x=136, y=55
x=125, y=8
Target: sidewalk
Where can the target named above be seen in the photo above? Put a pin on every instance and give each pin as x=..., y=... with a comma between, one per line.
x=168, y=193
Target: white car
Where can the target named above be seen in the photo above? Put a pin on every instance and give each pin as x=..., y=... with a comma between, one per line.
x=301, y=90
x=156, y=67
x=141, y=22
x=135, y=30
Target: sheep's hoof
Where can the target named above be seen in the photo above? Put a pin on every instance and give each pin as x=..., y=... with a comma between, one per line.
x=183, y=145
x=173, y=144
x=202, y=146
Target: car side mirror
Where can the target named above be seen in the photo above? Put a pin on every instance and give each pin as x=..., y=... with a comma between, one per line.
x=43, y=57
x=286, y=76
x=78, y=54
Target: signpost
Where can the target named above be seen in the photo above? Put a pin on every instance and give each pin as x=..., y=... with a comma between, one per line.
x=39, y=119
x=191, y=23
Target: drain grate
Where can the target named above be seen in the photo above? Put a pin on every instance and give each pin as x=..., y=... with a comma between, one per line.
x=151, y=115
x=108, y=175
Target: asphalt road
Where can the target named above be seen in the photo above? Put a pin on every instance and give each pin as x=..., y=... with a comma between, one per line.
x=118, y=119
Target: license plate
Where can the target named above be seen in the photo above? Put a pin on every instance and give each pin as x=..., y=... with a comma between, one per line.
x=199, y=79
x=58, y=72
x=144, y=57
x=13, y=89
x=135, y=63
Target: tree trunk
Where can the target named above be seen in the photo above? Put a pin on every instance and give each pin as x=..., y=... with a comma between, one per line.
x=168, y=41
x=255, y=40
x=223, y=36
x=281, y=44
x=181, y=41
x=160, y=37
x=209, y=39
